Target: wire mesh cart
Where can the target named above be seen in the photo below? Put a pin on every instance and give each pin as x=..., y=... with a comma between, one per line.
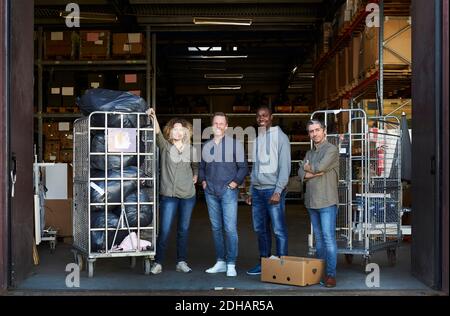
x=114, y=205
x=370, y=191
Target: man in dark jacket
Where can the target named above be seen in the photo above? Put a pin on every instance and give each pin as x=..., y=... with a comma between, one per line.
x=222, y=169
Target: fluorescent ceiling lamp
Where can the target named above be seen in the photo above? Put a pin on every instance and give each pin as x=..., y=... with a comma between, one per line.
x=204, y=49
x=222, y=21
x=224, y=76
x=218, y=57
x=224, y=87
x=221, y=57
x=94, y=16
x=305, y=75
x=299, y=86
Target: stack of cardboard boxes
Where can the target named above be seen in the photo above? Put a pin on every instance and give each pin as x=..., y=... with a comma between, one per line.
x=359, y=59
x=58, y=139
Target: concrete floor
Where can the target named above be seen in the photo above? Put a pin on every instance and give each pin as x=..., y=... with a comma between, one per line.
x=116, y=275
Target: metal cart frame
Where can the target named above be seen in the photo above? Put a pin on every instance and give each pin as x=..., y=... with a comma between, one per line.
x=82, y=203
x=370, y=191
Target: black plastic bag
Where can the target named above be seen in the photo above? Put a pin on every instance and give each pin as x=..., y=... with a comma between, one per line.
x=109, y=101
x=146, y=210
x=128, y=172
x=98, y=240
x=98, y=193
x=98, y=162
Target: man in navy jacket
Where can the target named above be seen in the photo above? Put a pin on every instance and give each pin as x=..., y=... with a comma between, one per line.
x=223, y=168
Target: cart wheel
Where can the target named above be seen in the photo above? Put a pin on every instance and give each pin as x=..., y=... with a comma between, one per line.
x=146, y=266
x=74, y=252
x=392, y=256
x=79, y=260
x=132, y=262
x=90, y=268
x=348, y=258
x=52, y=246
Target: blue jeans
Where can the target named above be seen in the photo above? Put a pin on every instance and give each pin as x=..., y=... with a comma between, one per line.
x=266, y=215
x=223, y=216
x=170, y=207
x=324, y=226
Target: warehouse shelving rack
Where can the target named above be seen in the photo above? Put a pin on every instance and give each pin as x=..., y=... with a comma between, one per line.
x=85, y=66
x=377, y=79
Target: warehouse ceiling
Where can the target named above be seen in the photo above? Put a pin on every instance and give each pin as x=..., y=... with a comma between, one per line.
x=275, y=49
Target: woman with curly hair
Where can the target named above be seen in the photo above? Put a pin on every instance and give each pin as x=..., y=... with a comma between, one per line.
x=179, y=173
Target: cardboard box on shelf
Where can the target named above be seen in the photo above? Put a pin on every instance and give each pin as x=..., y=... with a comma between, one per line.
x=52, y=136
x=58, y=45
x=66, y=142
x=128, y=44
x=50, y=127
x=66, y=155
x=54, y=97
x=283, y=108
x=397, y=44
x=291, y=270
x=299, y=138
x=397, y=48
x=52, y=148
x=58, y=215
x=96, y=81
x=241, y=108
x=369, y=48
x=131, y=82
x=94, y=44
x=300, y=109
x=65, y=127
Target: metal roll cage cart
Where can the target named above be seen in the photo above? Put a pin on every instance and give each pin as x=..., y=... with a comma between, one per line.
x=370, y=191
x=142, y=137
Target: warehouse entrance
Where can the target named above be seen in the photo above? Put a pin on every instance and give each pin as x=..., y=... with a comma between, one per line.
x=274, y=64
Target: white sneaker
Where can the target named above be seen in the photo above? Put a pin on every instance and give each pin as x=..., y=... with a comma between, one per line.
x=156, y=268
x=183, y=267
x=231, y=270
x=220, y=266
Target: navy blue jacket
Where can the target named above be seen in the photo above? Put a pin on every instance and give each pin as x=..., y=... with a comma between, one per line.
x=221, y=164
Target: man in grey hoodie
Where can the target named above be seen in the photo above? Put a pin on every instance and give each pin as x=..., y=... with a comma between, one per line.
x=269, y=178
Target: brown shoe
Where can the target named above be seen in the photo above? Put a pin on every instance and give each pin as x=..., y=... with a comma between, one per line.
x=330, y=282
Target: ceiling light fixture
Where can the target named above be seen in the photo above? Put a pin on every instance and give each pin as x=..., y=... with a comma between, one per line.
x=212, y=57
x=223, y=76
x=300, y=86
x=224, y=87
x=219, y=57
x=305, y=75
x=222, y=21
x=204, y=49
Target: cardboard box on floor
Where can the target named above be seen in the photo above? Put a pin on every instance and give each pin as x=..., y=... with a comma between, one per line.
x=292, y=270
x=58, y=215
